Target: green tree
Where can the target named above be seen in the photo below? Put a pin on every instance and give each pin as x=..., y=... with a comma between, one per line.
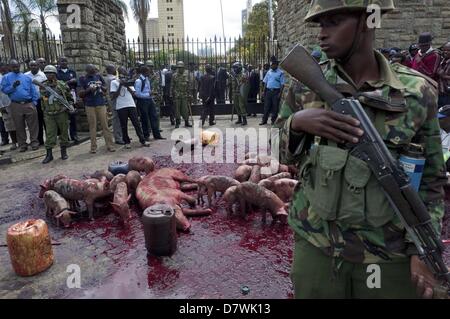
x=141, y=12
x=37, y=10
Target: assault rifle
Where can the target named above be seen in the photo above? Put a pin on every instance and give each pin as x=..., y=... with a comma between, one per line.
x=371, y=148
x=56, y=95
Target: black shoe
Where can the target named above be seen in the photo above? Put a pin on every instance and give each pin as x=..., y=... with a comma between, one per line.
x=239, y=120
x=120, y=143
x=203, y=122
x=23, y=149
x=160, y=138
x=186, y=124
x=262, y=123
x=147, y=139
x=49, y=157
x=172, y=122
x=177, y=124
x=64, y=155
x=76, y=140
x=212, y=123
x=244, y=121
x=160, y=131
x=4, y=143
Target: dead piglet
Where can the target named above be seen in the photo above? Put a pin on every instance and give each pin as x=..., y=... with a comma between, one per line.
x=103, y=173
x=76, y=190
x=49, y=184
x=188, y=187
x=267, y=201
x=120, y=204
x=141, y=164
x=211, y=185
x=174, y=174
x=243, y=173
x=284, y=188
x=56, y=205
x=120, y=178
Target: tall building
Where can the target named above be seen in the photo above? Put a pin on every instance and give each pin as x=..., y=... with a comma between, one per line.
x=171, y=19
x=245, y=15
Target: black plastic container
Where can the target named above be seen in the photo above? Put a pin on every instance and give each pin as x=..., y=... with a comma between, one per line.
x=160, y=230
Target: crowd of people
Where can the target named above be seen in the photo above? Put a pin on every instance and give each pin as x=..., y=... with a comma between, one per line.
x=139, y=93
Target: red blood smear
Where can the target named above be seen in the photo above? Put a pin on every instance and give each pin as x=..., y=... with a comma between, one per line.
x=219, y=256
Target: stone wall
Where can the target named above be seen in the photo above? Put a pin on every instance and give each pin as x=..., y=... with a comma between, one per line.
x=100, y=38
x=398, y=29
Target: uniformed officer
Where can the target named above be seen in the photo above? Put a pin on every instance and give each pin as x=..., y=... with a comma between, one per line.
x=56, y=115
x=180, y=90
x=342, y=220
x=240, y=93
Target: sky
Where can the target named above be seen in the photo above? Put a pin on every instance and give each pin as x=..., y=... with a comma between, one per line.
x=202, y=18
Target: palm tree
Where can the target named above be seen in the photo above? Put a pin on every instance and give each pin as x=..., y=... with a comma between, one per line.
x=141, y=11
x=8, y=27
x=122, y=5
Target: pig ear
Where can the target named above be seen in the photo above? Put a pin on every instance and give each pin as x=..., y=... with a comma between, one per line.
x=129, y=197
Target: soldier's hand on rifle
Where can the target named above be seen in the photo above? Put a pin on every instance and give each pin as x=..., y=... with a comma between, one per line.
x=422, y=278
x=328, y=124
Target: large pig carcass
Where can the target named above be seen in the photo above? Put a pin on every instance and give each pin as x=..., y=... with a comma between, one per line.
x=165, y=186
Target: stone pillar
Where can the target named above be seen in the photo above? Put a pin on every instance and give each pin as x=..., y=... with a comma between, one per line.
x=99, y=38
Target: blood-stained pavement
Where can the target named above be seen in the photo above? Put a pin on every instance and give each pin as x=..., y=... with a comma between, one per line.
x=216, y=259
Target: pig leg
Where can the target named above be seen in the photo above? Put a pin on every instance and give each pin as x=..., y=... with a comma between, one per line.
x=210, y=194
x=243, y=208
x=188, y=212
x=189, y=187
x=90, y=207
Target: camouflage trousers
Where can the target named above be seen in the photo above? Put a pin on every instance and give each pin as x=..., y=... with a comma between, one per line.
x=240, y=105
x=158, y=103
x=181, y=108
x=313, y=277
x=53, y=124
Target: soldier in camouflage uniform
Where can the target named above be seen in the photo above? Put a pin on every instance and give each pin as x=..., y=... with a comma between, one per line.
x=155, y=82
x=180, y=90
x=56, y=115
x=240, y=92
x=341, y=218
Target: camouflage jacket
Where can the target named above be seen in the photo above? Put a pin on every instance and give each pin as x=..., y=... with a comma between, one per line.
x=155, y=82
x=180, y=85
x=417, y=124
x=50, y=105
x=240, y=84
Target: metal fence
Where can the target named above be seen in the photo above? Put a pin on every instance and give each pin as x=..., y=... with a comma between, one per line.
x=31, y=48
x=217, y=51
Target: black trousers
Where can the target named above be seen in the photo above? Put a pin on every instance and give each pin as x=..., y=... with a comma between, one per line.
x=271, y=105
x=168, y=102
x=208, y=109
x=73, y=126
x=3, y=133
x=124, y=115
x=147, y=111
x=41, y=123
x=221, y=92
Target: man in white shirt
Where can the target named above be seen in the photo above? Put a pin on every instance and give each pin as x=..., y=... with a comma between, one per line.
x=36, y=74
x=117, y=129
x=122, y=96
